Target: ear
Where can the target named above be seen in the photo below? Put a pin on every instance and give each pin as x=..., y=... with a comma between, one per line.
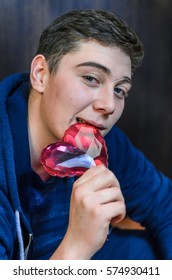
x=38, y=73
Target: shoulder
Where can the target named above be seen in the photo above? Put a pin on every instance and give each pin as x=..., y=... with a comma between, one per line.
x=123, y=157
x=10, y=82
x=117, y=140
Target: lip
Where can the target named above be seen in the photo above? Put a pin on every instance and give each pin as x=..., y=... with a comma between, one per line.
x=93, y=123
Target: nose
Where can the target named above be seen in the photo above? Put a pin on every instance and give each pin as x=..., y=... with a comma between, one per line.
x=105, y=102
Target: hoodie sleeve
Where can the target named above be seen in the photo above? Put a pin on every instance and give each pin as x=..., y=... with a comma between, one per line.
x=147, y=192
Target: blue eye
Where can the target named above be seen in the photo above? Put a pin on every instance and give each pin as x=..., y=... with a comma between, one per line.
x=120, y=93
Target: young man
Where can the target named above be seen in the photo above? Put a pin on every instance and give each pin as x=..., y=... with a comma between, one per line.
x=81, y=74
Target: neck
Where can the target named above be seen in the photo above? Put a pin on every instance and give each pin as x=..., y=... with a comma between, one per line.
x=36, y=143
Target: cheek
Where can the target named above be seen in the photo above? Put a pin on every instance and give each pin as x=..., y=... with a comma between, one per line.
x=117, y=114
x=72, y=103
x=120, y=108
x=77, y=101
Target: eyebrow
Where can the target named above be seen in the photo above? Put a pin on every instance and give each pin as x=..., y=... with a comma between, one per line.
x=95, y=64
x=104, y=69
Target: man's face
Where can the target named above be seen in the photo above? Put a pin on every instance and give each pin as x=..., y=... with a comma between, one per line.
x=89, y=86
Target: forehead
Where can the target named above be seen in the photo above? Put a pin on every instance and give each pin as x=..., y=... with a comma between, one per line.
x=110, y=57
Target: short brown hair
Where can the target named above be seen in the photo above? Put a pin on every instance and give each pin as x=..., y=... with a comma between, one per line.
x=65, y=32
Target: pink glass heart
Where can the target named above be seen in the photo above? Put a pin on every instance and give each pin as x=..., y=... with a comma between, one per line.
x=88, y=139
x=81, y=147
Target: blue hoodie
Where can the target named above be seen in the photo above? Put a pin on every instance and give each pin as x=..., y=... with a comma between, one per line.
x=147, y=192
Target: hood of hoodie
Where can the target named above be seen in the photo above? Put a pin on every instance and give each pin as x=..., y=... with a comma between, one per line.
x=8, y=180
x=8, y=177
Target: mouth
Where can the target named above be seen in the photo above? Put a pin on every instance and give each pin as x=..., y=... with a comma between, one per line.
x=98, y=126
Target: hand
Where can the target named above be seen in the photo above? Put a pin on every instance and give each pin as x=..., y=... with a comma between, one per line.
x=96, y=201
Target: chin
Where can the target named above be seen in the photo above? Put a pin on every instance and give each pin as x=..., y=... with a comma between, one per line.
x=103, y=133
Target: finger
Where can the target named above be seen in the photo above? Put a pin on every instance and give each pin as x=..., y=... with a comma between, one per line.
x=117, y=219
x=97, y=178
x=115, y=211
x=106, y=195
x=90, y=173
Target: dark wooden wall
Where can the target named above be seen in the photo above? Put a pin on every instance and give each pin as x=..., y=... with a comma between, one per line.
x=147, y=119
